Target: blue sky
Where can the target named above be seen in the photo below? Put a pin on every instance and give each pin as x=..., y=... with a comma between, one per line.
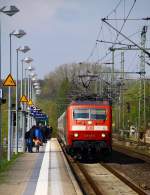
x=65, y=31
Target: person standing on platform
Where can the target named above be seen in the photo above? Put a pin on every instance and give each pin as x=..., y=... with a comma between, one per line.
x=30, y=143
x=29, y=135
x=38, y=134
x=44, y=129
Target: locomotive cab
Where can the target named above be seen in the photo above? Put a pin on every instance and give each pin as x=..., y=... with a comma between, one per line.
x=88, y=128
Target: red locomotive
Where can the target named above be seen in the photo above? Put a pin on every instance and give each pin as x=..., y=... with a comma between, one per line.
x=86, y=127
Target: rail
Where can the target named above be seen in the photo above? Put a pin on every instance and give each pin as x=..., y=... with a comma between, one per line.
x=124, y=179
x=87, y=183
x=84, y=180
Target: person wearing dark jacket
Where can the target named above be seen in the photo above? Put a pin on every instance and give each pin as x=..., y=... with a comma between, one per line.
x=29, y=135
x=38, y=133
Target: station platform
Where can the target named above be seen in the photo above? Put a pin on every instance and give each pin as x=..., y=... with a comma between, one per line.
x=43, y=173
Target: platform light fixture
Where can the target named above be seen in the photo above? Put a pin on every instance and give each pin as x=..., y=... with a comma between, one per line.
x=10, y=11
x=17, y=33
x=22, y=49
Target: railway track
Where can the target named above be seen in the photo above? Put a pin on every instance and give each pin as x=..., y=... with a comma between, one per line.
x=132, y=148
x=124, y=179
x=101, y=179
x=136, y=163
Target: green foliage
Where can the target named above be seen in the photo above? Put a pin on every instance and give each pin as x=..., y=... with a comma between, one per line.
x=4, y=120
x=62, y=99
x=131, y=97
x=5, y=165
x=4, y=112
x=50, y=108
x=64, y=84
x=55, y=107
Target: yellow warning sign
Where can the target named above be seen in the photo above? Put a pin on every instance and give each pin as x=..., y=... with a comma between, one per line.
x=9, y=81
x=30, y=103
x=23, y=99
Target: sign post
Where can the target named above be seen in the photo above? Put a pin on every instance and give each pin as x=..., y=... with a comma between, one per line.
x=9, y=82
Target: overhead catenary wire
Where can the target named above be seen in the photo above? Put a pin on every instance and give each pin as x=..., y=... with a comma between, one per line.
x=95, y=45
x=129, y=19
x=118, y=33
x=114, y=10
x=109, y=52
x=120, y=43
x=116, y=7
x=126, y=37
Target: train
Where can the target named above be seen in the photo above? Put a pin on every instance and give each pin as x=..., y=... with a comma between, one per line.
x=85, y=128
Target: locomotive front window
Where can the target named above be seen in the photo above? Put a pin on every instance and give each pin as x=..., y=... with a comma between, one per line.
x=81, y=114
x=99, y=114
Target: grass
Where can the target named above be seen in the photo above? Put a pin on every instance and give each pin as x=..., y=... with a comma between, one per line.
x=5, y=164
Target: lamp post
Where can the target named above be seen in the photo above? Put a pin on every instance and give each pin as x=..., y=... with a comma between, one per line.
x=27, y=60
x=10, y=11
x=33, y=80
x=23, y=49
x=18, y=34
x=38, y=92
x=30, y=69
x=30, y=78
x=36, y=86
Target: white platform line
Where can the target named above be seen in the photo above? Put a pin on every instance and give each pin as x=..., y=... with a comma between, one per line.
x=42, y=183
x=56, y=180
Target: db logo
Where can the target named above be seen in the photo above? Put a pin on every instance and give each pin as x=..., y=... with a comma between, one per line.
x=89, y=128
x=89, y=135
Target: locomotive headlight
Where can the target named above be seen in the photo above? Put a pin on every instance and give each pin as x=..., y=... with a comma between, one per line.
x=89, y=122
x=76, y=134
x=103, y=135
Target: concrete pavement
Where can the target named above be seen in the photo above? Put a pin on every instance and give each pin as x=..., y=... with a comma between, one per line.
x=43, y=173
